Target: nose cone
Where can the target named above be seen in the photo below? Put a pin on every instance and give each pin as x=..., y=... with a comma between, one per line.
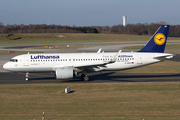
x=6, y=66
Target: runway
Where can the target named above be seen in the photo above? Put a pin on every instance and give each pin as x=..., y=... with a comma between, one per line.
x=106, y=77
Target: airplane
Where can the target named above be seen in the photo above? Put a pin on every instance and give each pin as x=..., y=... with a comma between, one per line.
x=68, y=65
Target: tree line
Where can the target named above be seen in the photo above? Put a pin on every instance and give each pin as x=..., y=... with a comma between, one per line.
x=132, y=29
x=138, y=29
x=43, y=28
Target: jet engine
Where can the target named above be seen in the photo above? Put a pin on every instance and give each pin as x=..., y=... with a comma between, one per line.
x=64, y=73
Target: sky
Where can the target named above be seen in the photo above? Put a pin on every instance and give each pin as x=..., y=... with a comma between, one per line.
x=88, y=12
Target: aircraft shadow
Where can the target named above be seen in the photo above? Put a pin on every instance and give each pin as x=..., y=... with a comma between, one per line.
x=124, y=77
x=109, y=77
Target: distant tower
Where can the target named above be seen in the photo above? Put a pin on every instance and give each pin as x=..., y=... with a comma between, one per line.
x=124, y=20
x=49, y=20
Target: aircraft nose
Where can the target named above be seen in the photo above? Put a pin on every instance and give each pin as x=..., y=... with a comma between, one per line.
x=6, y=66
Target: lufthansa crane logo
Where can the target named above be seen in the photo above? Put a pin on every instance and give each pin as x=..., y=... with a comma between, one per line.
x=159, y=39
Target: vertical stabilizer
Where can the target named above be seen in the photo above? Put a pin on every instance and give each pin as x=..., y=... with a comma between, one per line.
x=157, y=42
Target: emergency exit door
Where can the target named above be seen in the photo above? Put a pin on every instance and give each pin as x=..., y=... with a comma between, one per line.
x=26, y=60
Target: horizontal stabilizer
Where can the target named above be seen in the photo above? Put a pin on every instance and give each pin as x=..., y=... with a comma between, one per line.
x=167, y=56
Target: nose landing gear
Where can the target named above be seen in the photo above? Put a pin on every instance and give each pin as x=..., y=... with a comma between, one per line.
x=27, y=76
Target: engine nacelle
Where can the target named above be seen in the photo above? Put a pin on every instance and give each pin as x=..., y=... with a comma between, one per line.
x=64, y=73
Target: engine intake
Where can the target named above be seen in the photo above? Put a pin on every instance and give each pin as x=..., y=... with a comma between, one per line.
x=64, y=73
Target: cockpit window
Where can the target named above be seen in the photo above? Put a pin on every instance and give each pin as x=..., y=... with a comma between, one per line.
x=13, y=60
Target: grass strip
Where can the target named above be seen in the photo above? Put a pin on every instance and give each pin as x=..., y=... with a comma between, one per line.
x=73, y=38
x=91, y=101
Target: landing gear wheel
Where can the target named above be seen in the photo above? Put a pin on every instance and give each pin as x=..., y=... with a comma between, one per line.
x=27, y=76
x=26, y=79
x=84, y=77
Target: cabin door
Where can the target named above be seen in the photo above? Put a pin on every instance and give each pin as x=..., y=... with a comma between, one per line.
x=26, y=60
x=139, y=59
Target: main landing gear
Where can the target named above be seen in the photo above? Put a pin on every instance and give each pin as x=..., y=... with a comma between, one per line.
x=27, y=76
x=84, y=77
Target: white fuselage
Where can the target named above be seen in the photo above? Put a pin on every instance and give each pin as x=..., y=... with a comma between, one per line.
x=90, y=61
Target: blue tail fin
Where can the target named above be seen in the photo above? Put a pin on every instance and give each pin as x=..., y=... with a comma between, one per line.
x=157, y=42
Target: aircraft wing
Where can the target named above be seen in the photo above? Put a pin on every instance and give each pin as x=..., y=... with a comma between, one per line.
x=98, y=63
x=90, y=65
